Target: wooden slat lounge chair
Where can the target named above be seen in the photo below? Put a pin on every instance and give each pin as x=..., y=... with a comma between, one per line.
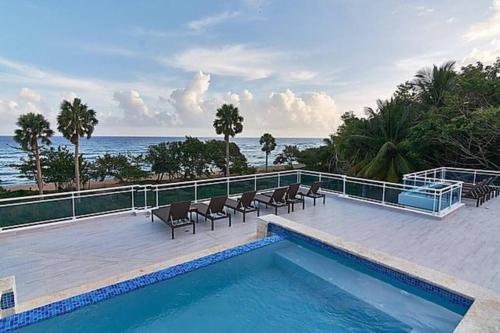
x=291, y=195
x=213, y=211
x=244, y=204
x=276, y=200
x=313, y=193
x=175, y=215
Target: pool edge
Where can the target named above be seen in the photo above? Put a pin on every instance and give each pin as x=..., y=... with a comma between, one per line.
x=482, y=316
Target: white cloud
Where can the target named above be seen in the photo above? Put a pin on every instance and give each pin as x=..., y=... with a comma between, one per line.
x=451, y=20
x=69, y=95
x=485, y=55
x=210, y=21
x=243, y=61
x=188, y=102
x=132, y=104
x=284, y=113
x=302, y=75
x=422, y=10
x=487, y=29
x=107, y=50
x=26, y=101
x=411, y=65
x=29, y=95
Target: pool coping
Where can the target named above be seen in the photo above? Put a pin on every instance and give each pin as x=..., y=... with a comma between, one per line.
x=482, y=316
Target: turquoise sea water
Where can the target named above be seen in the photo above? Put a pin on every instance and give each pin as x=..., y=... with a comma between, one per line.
x=284, y=287
x=100, y=145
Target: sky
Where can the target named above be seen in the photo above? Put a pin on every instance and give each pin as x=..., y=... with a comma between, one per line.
x=162, y=68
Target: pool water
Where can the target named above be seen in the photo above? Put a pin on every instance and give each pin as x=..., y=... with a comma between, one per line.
x=284, y=287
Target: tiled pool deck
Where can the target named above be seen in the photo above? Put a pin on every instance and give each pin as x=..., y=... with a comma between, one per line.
x=465, y=244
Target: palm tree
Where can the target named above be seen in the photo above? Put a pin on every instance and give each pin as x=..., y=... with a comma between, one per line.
x=383, y=139
x=33, y=128
x=432, y=83
x=228, y=122
x=74, y=121
x=268, y=145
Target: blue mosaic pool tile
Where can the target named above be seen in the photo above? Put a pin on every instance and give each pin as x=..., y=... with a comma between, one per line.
x=7, y=301
x=427, y=288
x=95, y=296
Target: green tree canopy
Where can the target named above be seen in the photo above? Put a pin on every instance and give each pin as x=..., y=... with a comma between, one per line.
x=76, y=120
x=34, y=130
x=229, y=123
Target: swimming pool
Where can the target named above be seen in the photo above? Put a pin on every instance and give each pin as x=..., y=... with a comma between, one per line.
x=285, y=283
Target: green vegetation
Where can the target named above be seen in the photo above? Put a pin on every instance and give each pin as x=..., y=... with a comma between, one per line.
x=194, y=158
x=268, y=145
x=228, y=122
x=288, y=156
x=74, y=121
x=443, y=117
x=33, y=130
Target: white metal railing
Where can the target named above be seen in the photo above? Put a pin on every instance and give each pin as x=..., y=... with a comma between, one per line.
x=432, y=196
x=470, y=176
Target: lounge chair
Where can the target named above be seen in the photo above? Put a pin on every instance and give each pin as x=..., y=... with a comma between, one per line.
x=213, y=211
x=291, y=195
x=175, y=215
x=313, y=193
x=276, y=200
x=243, y=204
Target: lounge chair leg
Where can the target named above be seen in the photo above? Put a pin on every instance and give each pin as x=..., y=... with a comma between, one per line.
x=324, y=199
x=303, y=203
x=229, y=219
x=258, y=211
x=244, y=216
x=212, y=225
x=173, y=236
x=194, y=228
x=314, y=201
x=276, y=210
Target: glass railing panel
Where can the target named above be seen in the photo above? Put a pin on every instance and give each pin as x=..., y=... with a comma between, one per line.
x=102, y=202
x=238, y=186
x=366, y=191
x=28, y=211
x=266, y=183
x=308, y=179
x=168, y=195
x=210, y=190
x=332, y=184
x=288, y=179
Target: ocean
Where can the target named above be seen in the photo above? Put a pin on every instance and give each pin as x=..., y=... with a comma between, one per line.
x=99, y=145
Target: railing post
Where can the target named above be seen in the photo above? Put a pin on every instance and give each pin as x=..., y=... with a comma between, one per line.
x=73, y=208
x=383, y=194
x=227, y=186
x=145, y=199
x=474, y=180
x=255, y=182
x=132, y=199
x=343, y=186
x=299, y=176
x=279, y=179
x=195, y=191
x=157, y=199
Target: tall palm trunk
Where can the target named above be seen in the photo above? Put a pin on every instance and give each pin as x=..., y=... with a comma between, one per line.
x=77, y=164
x=226, y=138
x=39, y=179
x=267, y=156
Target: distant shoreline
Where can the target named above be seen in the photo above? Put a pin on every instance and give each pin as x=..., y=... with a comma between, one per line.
x=115, y=182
